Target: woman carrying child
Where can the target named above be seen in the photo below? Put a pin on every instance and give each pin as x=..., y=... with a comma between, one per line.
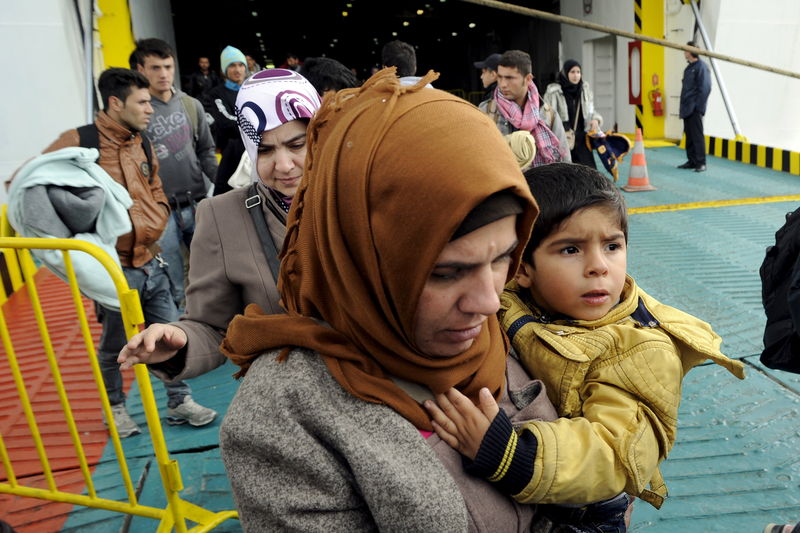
x=611, y=357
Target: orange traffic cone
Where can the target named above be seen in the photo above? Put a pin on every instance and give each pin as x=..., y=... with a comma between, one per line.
x=637, y=179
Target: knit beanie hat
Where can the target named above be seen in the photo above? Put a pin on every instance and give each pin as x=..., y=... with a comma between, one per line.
x=231, y=55
x=268, y=99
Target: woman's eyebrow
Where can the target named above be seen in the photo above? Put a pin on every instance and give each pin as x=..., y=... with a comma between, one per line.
x=287, y=141
x=462, y=265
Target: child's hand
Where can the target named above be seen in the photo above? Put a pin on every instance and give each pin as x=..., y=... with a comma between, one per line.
x=459, y=423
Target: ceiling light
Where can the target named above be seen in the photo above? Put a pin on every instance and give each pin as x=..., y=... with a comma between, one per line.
x=420, y=11
x=345, y=13
x=258, y=34
x=254, y=13
x=471, y=24
x=454, y=34
x=394, y=34
x=405, y=23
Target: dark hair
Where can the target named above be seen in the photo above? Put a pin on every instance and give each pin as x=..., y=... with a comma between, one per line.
x=119, y=82
x=150, y=47
x=327, y=74
x=401, y=55
x=692, y=43
x=562, y=189
x=517, y=59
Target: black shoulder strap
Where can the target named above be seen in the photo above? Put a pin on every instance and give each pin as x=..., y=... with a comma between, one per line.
x=148, y=149
x=90, y=138
x=252, y=201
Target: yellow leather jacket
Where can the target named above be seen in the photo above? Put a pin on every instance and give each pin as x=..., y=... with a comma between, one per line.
x=617, y=383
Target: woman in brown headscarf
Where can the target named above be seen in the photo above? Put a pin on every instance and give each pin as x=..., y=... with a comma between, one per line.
x=410, y=218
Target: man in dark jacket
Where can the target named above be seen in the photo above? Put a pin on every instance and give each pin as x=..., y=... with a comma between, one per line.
x=204, y=79
x=694, y=96
x=220, y=104
x=126, y=158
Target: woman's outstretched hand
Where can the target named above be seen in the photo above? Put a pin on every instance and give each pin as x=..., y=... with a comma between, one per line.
x=155, y=344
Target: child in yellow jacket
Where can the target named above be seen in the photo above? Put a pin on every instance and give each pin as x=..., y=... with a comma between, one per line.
x=611, y=358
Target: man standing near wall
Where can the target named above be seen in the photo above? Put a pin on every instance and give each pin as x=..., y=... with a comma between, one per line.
x=694, y=96
x=182, y=141
x=129, y=160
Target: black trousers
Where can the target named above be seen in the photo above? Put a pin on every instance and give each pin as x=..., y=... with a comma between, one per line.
x=695, y=141
x=581, y=154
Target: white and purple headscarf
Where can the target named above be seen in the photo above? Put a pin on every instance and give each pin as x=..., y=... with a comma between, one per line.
x=268, y=99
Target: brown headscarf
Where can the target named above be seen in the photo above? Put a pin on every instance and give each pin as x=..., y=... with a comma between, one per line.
x=390, y=174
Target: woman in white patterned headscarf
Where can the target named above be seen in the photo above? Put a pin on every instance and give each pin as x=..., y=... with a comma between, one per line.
x=238, y=235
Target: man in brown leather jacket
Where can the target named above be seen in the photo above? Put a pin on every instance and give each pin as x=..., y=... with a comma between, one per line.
x=127, y=111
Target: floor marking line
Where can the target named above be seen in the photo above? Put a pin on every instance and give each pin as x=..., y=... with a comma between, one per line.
x=713, y=203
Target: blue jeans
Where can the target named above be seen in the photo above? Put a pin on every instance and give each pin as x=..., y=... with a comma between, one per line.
x=154, y=292
x=179, y=232
x=607, y=516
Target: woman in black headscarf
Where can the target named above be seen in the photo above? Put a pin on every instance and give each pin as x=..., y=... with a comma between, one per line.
x=572, y=97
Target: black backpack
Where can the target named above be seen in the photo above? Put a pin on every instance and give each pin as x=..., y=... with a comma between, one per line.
x=780, y=293
x=90, y=138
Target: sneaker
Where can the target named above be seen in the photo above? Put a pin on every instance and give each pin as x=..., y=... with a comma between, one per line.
x=190, y=411
x=123, y=421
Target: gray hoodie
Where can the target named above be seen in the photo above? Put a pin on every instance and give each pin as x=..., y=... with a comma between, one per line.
x=184, y=156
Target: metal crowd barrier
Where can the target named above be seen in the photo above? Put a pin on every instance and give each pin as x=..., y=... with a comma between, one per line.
x=22, y=269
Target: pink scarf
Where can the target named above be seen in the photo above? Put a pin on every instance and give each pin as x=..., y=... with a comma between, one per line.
x=548, y=149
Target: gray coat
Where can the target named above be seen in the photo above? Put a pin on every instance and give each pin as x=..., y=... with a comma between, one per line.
x=302, y=454
x=227, y=271
x=554, y=96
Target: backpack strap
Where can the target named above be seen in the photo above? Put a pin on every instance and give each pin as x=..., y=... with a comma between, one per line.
x=491, y=110
x=89, y=137
x=191, y=111
x=148, y=149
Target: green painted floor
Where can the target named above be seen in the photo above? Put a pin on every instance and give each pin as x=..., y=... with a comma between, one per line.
x=735, y=465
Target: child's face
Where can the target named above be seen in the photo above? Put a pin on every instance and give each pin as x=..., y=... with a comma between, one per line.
x=580, y=267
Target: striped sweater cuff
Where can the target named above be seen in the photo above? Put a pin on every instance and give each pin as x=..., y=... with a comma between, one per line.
x=505, y=458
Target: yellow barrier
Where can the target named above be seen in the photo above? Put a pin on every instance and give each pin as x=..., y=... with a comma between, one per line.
x=177, y=511
x=10, y=257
